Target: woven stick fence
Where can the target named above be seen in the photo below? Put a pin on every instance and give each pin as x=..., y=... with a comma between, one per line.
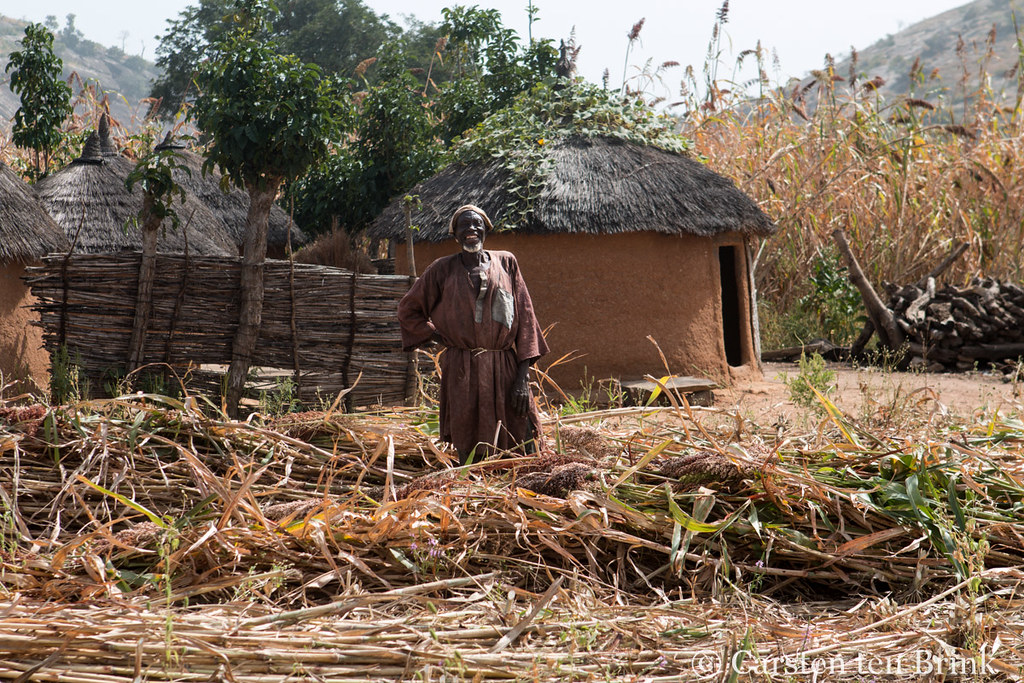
x=344, y=323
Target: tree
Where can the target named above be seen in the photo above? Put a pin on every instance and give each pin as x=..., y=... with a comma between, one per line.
x=267, y=117
x=487, y=67
x=183, y=46
x=335, y=35
x=393, y=147
x=70, y=35
x=402, y=124
x=155, y=174
x=45, y=98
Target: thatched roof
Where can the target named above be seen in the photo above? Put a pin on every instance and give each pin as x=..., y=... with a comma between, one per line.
x=88, y=198
x=596, y=186
x=106, y=144
x=27, y=233
x=232, y=206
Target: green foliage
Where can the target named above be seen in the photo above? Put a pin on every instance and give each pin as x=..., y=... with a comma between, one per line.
x=832, y=309
x=68, y=383
x=814, y=376
x=833, y=298
x=521, y=134
x=267, y=116
x=154, y=173
x=593, y=394
x=280, y=400
x=785, y=326
x=400, y=126
x=336, y=36
x=419, y=91
x=487, y=67
x=395, y=149
x=45, y=98
x=181, y=49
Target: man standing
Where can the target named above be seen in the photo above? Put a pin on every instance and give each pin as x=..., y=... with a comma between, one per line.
x=475, y=303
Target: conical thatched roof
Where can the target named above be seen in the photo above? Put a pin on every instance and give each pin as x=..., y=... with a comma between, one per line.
x=89, y=198
x=106, y=144
x=27, y=233
x=596, y=186
x=232, y=206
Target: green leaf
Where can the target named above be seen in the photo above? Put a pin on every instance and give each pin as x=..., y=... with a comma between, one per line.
x=152, y=516
x=954, y=504
x=685, y=521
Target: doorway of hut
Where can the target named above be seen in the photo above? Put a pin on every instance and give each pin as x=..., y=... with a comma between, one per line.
x=730, y=305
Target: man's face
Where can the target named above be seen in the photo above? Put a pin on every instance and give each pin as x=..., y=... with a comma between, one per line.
x=470, y=231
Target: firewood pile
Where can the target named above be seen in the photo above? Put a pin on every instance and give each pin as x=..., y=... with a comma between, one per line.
x=951, y=328
x=942, y=329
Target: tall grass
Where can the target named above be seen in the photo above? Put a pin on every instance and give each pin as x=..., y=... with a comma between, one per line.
x=907, y=177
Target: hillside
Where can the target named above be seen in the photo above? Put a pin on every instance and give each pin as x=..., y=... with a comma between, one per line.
x=935, y=42
x=125, y=79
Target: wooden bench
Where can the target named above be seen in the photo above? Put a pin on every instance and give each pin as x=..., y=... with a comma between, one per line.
x=697, y=390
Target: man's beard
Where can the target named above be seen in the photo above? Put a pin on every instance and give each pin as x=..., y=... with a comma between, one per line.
x=473, y=248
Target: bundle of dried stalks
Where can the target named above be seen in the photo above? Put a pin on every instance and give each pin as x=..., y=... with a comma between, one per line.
x=446, y=632
x=144, y=500
x=873, y=513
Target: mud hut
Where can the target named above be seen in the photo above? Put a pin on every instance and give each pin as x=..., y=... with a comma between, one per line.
x=89, y=200
x=625, y=241
x=27, y=233
x=232, y=206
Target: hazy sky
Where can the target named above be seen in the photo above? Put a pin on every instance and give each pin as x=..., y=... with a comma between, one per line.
x=801, y=32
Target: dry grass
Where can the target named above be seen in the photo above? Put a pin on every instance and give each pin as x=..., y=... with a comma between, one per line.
x=906, y=182
x=335, y=249
x=144, y=532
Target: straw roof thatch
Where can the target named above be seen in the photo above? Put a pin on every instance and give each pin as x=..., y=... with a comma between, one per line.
x=595, y=186
x=89, y=200
x=27, y=233
x=106, y=144
x=232, y=206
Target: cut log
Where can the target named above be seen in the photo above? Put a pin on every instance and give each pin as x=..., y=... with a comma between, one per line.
x=993, y=351
x=946, y=262
x=915, y=311
x=888, y=331
x=822, y=347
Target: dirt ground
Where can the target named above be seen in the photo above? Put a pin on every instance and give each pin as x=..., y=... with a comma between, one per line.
x=866, y=391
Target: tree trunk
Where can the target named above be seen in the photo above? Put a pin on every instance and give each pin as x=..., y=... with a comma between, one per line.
x=411, y=251
x=144, y=297
x=254, y=253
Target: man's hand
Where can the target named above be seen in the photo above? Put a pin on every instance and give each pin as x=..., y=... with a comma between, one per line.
x=521, y=390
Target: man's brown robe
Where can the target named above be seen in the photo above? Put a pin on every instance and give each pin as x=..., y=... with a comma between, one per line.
x=484, y=343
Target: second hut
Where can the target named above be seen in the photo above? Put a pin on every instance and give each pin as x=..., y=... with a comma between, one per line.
x=626, y=243
x=232, y=205
x=90, y=201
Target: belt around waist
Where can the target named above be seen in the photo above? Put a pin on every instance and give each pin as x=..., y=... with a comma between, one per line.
x=478, y=350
